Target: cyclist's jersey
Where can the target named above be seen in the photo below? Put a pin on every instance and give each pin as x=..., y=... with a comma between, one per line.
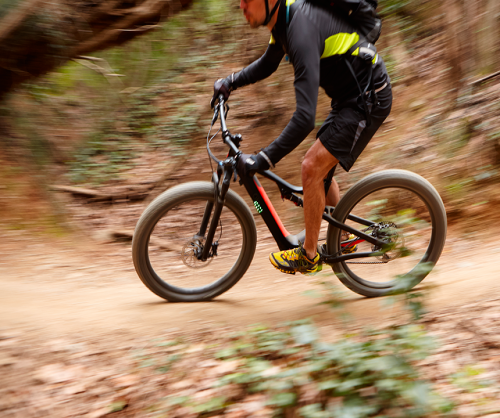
x=315, y=41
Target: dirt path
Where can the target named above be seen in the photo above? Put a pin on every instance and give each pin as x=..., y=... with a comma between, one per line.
x=91, y=288
x=81, y=336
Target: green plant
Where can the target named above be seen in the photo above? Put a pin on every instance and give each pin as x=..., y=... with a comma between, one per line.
x=371, y=373
x=468, y=379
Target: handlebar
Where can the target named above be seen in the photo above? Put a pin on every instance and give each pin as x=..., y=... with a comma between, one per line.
x=221, y=110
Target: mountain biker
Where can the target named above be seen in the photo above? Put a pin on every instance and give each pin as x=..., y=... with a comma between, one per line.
x=316, y=41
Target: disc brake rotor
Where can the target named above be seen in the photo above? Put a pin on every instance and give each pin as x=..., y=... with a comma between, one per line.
x=191, y=252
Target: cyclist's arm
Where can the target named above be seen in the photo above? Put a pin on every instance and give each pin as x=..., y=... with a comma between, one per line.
x=261, y=68
x=305, y=49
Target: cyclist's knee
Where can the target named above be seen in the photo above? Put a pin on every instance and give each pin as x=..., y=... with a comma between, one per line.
x=306, y=165
x=310, y=169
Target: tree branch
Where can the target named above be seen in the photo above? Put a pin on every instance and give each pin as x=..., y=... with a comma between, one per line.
x=489, y=77
x=148, y=10
x=106, y=72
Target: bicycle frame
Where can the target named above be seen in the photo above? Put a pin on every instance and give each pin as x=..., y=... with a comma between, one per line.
x=263, y=205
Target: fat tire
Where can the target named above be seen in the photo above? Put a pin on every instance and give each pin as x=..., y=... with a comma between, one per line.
x=159, y=207
x=387, y=179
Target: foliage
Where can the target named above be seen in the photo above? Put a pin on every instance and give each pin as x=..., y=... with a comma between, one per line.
x=389, y=7
x=7, y=5
x=398, y=13
x=369, y=374
x=134, y=97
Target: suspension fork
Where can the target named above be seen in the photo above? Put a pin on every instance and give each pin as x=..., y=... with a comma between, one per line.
x=220, y=195
x=209, y=206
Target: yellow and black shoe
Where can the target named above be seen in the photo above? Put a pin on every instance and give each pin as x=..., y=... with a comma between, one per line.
x=349, y=246
x=295, y=260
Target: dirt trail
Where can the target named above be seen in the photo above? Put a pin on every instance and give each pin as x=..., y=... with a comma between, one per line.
x=91, y=288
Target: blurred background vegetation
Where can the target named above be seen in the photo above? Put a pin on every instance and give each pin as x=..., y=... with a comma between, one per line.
x=106, y=94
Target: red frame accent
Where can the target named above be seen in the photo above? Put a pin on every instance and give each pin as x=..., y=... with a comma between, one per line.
x=271, y=207
x=350, y=244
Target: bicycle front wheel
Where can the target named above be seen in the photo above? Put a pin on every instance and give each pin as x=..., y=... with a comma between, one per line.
x=408, y=214
x=167, y=243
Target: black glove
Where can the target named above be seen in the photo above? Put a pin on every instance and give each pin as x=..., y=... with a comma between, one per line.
x=222, y=86
x=249, y=164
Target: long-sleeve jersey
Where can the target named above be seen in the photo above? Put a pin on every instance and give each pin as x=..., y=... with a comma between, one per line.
x=316, y=41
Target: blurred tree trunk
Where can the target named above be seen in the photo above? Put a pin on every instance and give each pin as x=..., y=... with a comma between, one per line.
x=488, y=36
x=455, y=50
x=472, y=37
x=36, y=36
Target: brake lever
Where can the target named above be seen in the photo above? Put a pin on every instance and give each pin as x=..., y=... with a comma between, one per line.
x=216, y=116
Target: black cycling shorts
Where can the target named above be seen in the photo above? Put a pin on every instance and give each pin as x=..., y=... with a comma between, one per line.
x=344, y=133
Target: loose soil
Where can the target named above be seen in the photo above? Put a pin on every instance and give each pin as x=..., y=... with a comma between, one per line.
x=74, y=315
x=60, y=286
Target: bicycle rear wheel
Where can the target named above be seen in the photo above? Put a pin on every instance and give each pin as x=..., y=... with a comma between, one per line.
x=166, y=244
x=409, y=214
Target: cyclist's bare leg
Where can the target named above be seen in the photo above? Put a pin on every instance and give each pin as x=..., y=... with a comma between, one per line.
x=333, y=198
x=316, y=165
x=333, y=195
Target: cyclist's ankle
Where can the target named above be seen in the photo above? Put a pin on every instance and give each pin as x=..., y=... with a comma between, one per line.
x=311, y=255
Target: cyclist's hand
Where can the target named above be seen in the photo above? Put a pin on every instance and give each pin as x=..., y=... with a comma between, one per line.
x=249, y=164
x=221, y=86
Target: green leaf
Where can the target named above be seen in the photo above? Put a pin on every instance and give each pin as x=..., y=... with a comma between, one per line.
x=283, y=400
x=163, y=369
x=388, y=385
x=349, y=384
x=226, y=353
x=178, y=400
x=419, y=394
x=314, y=411
x=168, y=343
x=305, y=334
x=212, y=405
x=328, y=385
x=117, y=406
x=312, y=293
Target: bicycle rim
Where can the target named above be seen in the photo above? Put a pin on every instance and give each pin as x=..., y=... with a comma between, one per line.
x=404, y=220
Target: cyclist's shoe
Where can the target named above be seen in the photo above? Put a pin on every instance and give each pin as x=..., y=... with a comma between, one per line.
x=295, y=260
x=347, y=247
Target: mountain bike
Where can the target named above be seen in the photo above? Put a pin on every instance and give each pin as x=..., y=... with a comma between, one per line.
x=196, y=240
